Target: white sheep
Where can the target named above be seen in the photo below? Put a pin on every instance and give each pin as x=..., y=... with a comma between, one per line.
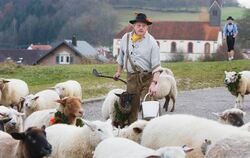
x=45, y=99
x=39, y=118
x=234, y=146
x=233, y=116
x=70, y=88
x=125, y=148
x=133, y=131
x=16, y=122
x=29, y=144
x=11, y=91
x=108, y=108
x=179, y=129
x=71, y=141
x=238, y=84
x=166, y=88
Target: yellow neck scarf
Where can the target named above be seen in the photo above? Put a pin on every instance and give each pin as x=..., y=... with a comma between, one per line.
x=136, y=37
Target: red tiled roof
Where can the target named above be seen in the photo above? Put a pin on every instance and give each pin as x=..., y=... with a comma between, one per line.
x=179, y=31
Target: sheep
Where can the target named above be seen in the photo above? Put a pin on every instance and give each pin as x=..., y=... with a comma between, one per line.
x=69, y=88
x=166, y=88
x=175, y=130
x=45, y=99
x=133, y=131
x=238, y=84
x=233, y=116
x=29, y=144
x=16, y=122
x=11, y=91
x=117, y=103
x=125, y=148
x=234, y=146
x=72, y=109
x=71, y=141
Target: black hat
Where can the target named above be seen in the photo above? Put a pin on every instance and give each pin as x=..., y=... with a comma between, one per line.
x=140, y=17
x=230, y=18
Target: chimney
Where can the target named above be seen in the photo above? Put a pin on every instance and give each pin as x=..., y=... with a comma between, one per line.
x=74, y=40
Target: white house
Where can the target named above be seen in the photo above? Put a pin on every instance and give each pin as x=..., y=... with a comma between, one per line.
x=187, y=40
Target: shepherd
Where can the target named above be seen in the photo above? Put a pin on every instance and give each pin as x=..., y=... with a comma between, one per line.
x=140, y=56
x=229, y=34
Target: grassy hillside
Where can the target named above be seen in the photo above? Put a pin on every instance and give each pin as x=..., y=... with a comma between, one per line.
x=127, y=14
x=189, y=75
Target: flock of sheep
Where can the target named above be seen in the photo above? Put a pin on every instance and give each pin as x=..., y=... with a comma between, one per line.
x=24, y=116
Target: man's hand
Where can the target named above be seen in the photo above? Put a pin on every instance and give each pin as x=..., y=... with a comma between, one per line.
x=117, y=76
x=152, y=89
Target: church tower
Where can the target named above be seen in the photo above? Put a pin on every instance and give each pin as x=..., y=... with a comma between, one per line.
x=215, y=12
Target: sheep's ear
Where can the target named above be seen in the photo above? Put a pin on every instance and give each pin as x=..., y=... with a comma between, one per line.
x=35, y=98
x=187, y=149
x=52, y=88
x=118, y=95
x=109, y=121
x=18, y=136
x=19, y=113
x=62, y=101
x=218, y=114
x=154, y=155
x=225, y=72
x=43, y=127
x=89, y=124
x=137, y=130
x=5, y=120
x=5, y=81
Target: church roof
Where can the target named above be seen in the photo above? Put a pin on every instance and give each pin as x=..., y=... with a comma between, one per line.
x=171, y=30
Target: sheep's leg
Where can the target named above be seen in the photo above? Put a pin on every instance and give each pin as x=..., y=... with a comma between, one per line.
x=173, y=100
x=167, y=99
x=239, y=102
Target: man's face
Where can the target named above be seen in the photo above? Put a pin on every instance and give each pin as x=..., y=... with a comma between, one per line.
x=230, y=21
x=140, y=28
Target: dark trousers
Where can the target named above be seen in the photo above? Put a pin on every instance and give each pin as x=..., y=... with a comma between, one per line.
x=230, y=43
x=137, y=84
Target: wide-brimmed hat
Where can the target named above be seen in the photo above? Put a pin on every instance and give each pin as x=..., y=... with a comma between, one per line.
x=230, y=18
x=141, y=17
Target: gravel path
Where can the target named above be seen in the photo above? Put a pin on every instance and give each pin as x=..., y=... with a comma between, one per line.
x=200, y=102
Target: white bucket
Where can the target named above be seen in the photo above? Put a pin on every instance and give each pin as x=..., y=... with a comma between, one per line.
x=150, y=109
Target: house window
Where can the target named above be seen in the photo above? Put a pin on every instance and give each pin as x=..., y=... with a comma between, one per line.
x=173, y=47
x=63, y=58
x=215, y=12
x=190, y=47
x=207, y=48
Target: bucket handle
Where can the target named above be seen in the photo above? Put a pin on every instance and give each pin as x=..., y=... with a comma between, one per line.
x=145, y=97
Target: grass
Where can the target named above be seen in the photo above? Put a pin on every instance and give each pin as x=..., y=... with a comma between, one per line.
x=189, y=75
x=127, y=14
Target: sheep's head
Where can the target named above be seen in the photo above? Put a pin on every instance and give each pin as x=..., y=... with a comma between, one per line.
x=167, y=152
x=230, y=77
x=3, y=83
x=232, y=116
x=72, y=108
x=125, y=100
x=99, y=131
x=35, y=142
x=61, y=90
x=13, y=115
x=29, y=102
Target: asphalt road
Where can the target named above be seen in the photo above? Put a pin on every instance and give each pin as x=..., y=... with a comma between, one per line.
x=200, y=102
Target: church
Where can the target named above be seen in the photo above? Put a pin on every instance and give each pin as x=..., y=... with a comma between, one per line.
x=184, y=40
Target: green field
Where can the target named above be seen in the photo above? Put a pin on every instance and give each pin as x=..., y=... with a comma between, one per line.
x=189, y=75
x=124, y=15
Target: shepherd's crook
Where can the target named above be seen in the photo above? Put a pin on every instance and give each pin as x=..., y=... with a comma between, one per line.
x=98, y=74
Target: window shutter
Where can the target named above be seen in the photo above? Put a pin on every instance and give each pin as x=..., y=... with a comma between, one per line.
x=57, y=59
x=71, y=60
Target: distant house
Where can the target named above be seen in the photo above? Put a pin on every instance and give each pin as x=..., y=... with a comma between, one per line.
x=22, y=56
x=192, y=40
x=39, y=47
x=71, y=52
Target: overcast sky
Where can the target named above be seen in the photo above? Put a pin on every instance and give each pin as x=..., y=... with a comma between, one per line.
x=244, y=3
